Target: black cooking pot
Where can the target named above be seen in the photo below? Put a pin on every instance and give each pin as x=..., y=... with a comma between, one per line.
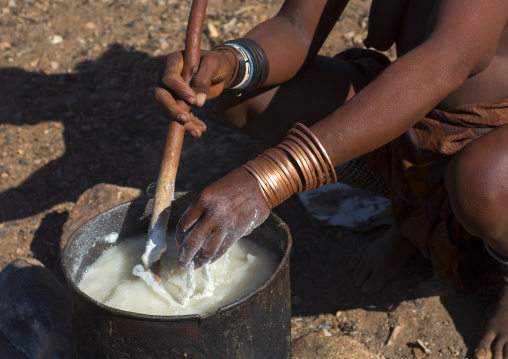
x=257, y=325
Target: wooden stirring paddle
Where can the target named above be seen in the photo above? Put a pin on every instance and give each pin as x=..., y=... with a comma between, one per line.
x=156, y=243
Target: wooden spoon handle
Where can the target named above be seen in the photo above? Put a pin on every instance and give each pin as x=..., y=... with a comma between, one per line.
x=174, y=139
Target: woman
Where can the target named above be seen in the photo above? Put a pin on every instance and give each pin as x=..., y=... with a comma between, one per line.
x=430, y=127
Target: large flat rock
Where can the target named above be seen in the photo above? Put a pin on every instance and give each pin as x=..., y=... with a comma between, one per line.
x=94, y=201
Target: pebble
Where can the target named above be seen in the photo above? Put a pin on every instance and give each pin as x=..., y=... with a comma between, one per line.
x=393, y=335
x=90, y=26
x=163, y=44
x=4, y=45
x=54, y=65
x=325, y=332
x=213, y=33
x=325, y=327
x=423, y=346
x=56, y=39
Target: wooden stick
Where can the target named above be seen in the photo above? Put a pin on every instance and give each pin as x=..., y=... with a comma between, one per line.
x=174, y=139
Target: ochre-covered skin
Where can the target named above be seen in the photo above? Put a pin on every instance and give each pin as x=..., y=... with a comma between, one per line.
x=450, y=53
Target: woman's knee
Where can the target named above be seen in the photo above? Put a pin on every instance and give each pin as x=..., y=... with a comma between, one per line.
x=478, y=189
x=321, y=86
x=248, y=114
x=231, y=110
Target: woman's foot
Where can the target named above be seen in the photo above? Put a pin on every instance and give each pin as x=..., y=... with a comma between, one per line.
x=382, y=261
x=494, y=343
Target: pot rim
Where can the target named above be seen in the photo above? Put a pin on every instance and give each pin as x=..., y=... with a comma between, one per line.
x=169, y=318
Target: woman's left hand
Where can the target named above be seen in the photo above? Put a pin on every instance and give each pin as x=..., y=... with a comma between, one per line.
x=225, y=211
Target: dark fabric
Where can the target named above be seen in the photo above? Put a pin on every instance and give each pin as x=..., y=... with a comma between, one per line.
x=371, y=63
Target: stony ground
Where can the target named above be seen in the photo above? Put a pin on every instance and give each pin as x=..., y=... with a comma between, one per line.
x=76, y=110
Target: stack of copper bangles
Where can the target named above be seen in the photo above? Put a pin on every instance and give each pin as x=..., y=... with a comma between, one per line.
x=298, y=164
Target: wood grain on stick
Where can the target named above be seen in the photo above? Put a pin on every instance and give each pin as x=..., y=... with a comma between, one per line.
x=169, y=166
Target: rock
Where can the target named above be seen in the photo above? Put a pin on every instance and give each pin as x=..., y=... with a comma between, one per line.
x=34, y=310
x=94, y=201
x=54, y=65
x=57, y=344
x=315, y=345
x=90, y=25
x=213, y=33
x=4, y=45
x=163, y=43
x=56, y=39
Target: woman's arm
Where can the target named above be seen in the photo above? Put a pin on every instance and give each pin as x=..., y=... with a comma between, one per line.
x=289, y=39
x=407, y=90
x=295, y=35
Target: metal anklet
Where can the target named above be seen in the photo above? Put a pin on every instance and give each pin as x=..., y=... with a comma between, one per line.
x=498, y=257
x=503, y=268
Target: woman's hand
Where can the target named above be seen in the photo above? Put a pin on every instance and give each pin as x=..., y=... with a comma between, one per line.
x=215, y=73
x=225, y=211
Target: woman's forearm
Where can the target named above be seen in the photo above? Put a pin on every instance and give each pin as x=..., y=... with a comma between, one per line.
x=387, y=107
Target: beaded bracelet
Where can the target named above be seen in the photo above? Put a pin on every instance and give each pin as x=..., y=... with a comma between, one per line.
x=298, y=164
x=252, y=64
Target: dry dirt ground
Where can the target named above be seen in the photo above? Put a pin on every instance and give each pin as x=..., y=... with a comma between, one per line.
x=76, y=110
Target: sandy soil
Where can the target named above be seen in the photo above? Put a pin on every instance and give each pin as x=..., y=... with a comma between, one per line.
x=76, y=110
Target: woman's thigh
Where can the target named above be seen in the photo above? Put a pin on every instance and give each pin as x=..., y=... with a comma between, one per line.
x=267, y=114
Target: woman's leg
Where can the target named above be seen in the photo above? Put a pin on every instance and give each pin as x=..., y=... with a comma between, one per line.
x=477, y=181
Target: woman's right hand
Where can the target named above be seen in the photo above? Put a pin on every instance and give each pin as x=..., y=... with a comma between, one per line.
x=216, y=71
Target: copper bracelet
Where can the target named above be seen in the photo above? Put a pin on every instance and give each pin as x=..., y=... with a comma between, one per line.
x=304, y=128
x=289, y=179
x=312, y=158
x=279, y=177
x=271, y=184
x=299, y=163
x=280, y=190
x=324, y=166
x=307, y=166
x=263, y=192
x=268, y=187
x=294, y=176
x=268, y=191
x=305, y=176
